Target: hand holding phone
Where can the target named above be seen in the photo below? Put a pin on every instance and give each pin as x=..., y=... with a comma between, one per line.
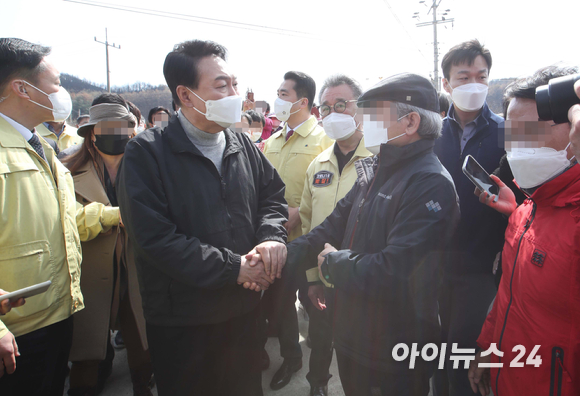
x=7, y=305
x=12, y=300
x=480, y=177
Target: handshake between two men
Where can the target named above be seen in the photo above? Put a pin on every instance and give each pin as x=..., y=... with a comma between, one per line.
x=261, y=266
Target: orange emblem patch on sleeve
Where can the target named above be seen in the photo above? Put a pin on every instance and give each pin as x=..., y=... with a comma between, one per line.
x=322, y=179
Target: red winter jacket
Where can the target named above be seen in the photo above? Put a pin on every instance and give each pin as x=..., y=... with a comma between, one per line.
x=538, y=301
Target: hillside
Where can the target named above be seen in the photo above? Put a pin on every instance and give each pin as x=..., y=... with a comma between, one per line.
x=144, y=96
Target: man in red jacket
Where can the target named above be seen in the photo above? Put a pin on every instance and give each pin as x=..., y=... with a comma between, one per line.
x=533, y=329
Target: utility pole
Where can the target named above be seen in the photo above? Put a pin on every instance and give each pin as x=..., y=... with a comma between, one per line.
x=435, y=22
x=107, y=45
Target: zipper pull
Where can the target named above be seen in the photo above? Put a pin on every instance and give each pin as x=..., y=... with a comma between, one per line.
x=359, y=209
x=223, y=184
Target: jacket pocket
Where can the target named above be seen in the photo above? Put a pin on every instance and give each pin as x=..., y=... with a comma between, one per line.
x=25, y=265
x=556, y=371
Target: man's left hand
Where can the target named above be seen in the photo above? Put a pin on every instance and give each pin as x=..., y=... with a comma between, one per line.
x=327, y=249
x=7, y=305
x=274, y=257
x=293, y=219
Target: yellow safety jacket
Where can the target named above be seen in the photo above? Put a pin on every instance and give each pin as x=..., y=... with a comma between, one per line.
x=39, y=240
x=324, y=186
x=291, y=159
x=67, y=138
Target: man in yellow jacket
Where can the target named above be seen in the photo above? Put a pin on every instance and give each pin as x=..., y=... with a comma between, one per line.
x=291, y=151
x=329, y=177
x=64, y=135
x=39, y=240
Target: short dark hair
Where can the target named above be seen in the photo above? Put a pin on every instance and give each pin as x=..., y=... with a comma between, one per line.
x=180, y=67
x=247, y=117
x=81, y=117
x=133, y=109
x=444, y=102
x=20, y=58
x=155, y=110
x=304, y=86
x=173, y=105
x=465, y=52
x=109, y=98
x=255, y=117
x=267, y=108
x=525, y=88
x=339, y=79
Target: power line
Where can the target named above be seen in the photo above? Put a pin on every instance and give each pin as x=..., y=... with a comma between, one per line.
x=107, y=45
x=194, y=18
x=403, y=26
x=434, y=23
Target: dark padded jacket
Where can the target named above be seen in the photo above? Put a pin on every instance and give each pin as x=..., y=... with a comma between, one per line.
x=189, y=225
x=480, y=233
x=389, y=229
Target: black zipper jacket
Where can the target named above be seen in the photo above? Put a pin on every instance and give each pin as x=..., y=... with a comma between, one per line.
x=190, y=225
x=390, y=229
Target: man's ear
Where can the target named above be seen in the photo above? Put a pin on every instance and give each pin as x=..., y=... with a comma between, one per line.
x=185, y=96
x=414, y=119
x=446, y=86
x=18, y=88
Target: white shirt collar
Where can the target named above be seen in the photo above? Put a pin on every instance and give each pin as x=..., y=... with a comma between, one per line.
x=27, y=134
x=297, y=126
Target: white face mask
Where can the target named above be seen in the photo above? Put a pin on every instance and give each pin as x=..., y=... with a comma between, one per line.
x=376, y=134
x=339, y=126
x=254, y=136
x=60, y=100
x=282, y=109
x=225, y=111
x=469, y=97
x=533, y=167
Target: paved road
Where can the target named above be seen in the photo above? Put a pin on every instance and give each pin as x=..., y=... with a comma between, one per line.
x=119, y=384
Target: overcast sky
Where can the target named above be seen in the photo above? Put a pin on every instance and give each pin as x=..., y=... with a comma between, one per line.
x=366, y=39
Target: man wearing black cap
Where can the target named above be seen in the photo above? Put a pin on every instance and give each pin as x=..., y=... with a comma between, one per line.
x=389, y=230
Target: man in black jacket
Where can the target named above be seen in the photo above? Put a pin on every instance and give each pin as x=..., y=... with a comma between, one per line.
x=390, y=229
x=196, y=199
x=470, y=128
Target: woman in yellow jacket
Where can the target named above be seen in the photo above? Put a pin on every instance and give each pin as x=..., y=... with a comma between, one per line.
x=109, y=280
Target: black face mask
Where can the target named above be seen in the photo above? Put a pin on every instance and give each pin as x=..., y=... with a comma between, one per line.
x=111, y=144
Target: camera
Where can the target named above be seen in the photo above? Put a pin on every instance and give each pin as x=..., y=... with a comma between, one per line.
x=555, y=99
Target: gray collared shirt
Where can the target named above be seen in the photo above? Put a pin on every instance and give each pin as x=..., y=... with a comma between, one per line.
x=466, y=133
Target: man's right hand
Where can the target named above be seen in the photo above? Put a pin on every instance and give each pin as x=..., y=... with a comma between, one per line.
x=254, y=275
x=316, y=295
x=574, y=117
x=8, y=353
x=479, y=377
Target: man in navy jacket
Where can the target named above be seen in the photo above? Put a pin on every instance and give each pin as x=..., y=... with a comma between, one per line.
x=470, y=128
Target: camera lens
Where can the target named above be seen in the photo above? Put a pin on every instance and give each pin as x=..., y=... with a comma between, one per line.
x=555, y=99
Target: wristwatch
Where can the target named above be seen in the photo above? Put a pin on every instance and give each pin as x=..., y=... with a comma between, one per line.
x=324, y=271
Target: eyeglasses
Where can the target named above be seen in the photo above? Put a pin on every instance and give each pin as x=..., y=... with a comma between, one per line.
x=339, y=107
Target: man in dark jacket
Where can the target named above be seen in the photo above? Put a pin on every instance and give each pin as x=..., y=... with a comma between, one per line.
x=470, y=128
x=196, y=198
x=389, y=228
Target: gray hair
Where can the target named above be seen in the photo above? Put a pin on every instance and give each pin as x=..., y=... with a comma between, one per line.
x=339, y=79
x=430, y=125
